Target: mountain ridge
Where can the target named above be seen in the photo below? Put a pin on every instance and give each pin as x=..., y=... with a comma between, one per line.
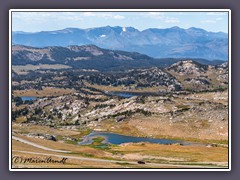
x=90, y=57
x=172, y=42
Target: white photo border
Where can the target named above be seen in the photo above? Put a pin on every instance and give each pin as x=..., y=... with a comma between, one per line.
x=119, y=10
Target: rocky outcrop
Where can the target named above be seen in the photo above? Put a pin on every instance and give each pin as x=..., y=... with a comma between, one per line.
x=43, y=136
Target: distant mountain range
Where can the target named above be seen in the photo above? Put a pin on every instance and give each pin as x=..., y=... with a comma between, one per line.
x=172, y=42
x=91, y=57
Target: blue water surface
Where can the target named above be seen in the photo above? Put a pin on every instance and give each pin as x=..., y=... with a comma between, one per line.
x=28, y=98
x=119, y=139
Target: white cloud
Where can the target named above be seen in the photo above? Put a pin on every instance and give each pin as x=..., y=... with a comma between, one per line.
x=180, y=13
x=102, y=15
x=42, y=16
x=157, y=15
x=46, y=18
x=89, y=14
x=118, y=17
x=208, y=21
x=171, y=20
x=217, y=13
x=219, y=19
x=162, y=16
x=97, y=14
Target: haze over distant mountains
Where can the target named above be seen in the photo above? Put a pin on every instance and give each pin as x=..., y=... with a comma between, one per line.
x=172, y=42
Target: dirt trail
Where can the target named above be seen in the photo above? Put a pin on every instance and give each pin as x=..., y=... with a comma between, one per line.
x=38, y=146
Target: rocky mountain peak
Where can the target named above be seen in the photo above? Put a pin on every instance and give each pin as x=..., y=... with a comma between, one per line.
x=188, y=67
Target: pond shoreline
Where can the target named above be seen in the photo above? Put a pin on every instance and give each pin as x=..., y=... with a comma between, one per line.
x=117, y=139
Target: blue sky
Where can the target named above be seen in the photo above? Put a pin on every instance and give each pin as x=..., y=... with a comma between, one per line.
x=48, y=21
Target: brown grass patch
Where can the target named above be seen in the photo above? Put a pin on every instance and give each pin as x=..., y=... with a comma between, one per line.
x=31, y=128
x=48, y=91
x=188, y=153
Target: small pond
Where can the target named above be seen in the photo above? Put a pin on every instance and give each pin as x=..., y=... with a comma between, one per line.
x=121, y=94
x=28, y=98
x=126, y=94
x=112, y=138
